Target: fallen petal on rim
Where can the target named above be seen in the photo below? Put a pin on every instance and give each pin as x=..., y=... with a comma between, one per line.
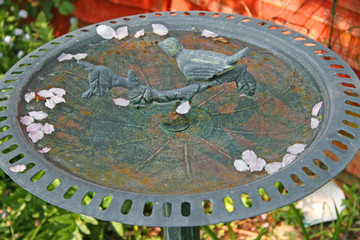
x=36, y=136
x=57, y=99
x=241, y=165
x=257, y=165
x=121, y=32
x=79, y=56
x=18, y=168
x=207, y=33
x=314, y=123
x=106, y=31
x=296, y=148
x=38, y=115
x=47, y=128
x=272, y=168
x=316, y=109
x=64, y=56
x=34, y=127
x=139, y=33
x=248, y=156
x=159, y=29
x=287, y=159
x=58, y=91
x=50, y=103
x=44, y=150
x=26, y=120
x=45, y=93
x=29, y=96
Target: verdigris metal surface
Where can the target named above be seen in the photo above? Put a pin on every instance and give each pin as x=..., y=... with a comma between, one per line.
x=102, y=153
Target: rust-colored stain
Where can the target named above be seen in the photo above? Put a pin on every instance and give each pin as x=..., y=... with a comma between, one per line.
x=228, y=108
x=86, y=112
x=72, y=124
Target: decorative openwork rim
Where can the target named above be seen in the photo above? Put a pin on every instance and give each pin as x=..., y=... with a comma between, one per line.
x=334, y=147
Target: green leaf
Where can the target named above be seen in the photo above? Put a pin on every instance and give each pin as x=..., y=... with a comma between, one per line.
x=74, y=25
x=119, y=228
x=66, y=8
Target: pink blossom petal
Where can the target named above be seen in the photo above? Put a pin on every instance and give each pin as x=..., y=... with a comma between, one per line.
x=121, y=32
x=36, y=136
x=26, y=120
x=159, y=29
x=257, y=165
x=183, y=108
x=34, y=127
x=29, y=96
x=249, y=156
x=38, y=115
x=241, y=165
x=296, y=148
x=316, y=109
x=64, y=56
x=45, y=93
x=207, y=33
x=44, y=150
x=105, y=31
x=272, y=168
x=58, y=91
x=287, y=159
x=79, y=56
x=139, y=33
x=57, y=99
x=50, y=103
x=47, y=128
x=18, y=168
x=121, y=102
x=314, y=123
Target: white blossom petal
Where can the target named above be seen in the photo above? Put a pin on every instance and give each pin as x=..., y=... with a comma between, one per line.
x=45, y=93
x=121, y=32
x=57, y=91
x=29, y=96
x=241, y=165
x=79, y=56
x=50, y=103
x=296, y=148
x=287, y=159
x=44, y=150
x=18, y=168
x=139, y=33
x=314, y=123
x=26, y=120
x=159, y=29
x=183, y=108
x=47, y=128
x=272, y=168
x=121, y=102
x=257, y=165
x=57, y=99
x=316, y=109
x=64, y=57
x=207, y=33
x=34, y=127
x=249, y=156
x=36, y=136
x=105, y=31
x=38, y=115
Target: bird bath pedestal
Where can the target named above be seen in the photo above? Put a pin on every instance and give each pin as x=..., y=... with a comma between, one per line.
x=240, y=154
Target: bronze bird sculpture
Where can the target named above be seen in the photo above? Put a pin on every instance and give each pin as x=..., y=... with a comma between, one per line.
x=200, y=65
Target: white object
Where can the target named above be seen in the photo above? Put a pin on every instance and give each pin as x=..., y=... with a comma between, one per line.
x=121, y=102
x=36, y=136
x=257, y=165
x=26, y=120
x=159, y=29
x=319, y=206
x=314, y=123
x=183, y=108
x=272, y=168
x=241, y=165
x=287, y=159
x=139, y=33
x=296, y=148
x=50, y=103
x=248, y=156
x=47, y=128
x=44, y=150
x=38, y=115
x=29, y=96
x=121, y=32
x=106, y=31
x=316, y=109
x=207, y=33
x=18, y=168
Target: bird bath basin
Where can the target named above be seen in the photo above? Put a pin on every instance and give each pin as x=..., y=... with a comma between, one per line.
x=303, y=106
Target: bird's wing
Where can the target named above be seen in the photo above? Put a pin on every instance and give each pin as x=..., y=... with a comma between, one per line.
x=201, y=71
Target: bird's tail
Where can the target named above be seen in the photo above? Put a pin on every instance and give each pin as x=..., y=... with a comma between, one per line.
x=237, y=56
